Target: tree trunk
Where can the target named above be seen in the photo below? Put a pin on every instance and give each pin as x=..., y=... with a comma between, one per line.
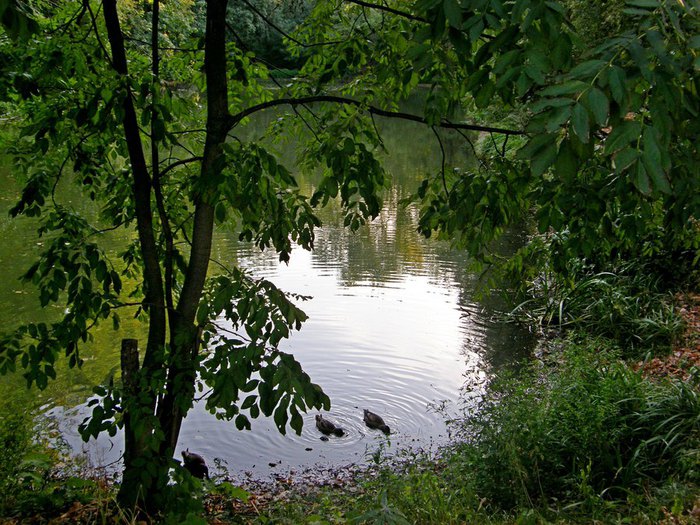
x=146, y=457
x=130, y=489
x=184, y=341
x=145, y=473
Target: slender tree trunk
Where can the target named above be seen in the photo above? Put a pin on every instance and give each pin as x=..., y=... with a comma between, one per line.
x=145, y=472
x=139, y=485
x=129, y=492
x=184, y=334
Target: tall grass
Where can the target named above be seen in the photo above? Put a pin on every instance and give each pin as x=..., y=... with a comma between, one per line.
x=628, y=304
x=594, y=430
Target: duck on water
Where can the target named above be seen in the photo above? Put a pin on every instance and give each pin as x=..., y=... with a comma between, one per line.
x=328, y=427
x=195, y=464
x=375, y=421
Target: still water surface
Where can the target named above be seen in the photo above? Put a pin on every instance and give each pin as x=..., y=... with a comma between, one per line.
x=393, y=327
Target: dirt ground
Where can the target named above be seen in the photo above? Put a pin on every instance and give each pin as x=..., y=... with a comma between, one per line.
x=685, y=354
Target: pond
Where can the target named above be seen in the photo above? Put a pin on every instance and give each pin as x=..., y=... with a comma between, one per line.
x=393, y=327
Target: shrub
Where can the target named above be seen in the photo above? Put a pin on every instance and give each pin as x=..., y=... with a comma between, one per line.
x=15, y=441
x=589, y=427
x=28, y=482
x=626, y=303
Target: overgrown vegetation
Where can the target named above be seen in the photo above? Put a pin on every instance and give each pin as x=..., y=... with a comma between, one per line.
x=628, y=303
x=30, y=483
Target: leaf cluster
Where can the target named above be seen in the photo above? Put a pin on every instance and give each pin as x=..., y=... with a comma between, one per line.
x=248, y=319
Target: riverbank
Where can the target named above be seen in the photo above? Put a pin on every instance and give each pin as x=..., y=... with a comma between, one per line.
x=581, y=436
x=579, y=439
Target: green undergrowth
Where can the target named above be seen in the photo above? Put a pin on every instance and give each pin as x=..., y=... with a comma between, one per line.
x=34, y=480
x=627, y=303
x=576, y=438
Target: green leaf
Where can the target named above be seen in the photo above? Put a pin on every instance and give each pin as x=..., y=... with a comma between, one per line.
x=453, y=13
x=296, y=422
x=281, y=415
x=587, y=69
x=534, y=145
x=242, y=422
x=476, y=28
x=534, y=73
x=557, y=118
x=642, y=180
x=566, y=165
x=598, y=104
x=618, y=84
x=504, y=61
x=232, y=491
x=249, y=402
x=651, y=157
x=158, y=129
x=580, y=122
x=625, y=158
x=570, y=87
x=543, y=159
x=651, y=4
x=658, y=44
x=634, y=11
x=485, y=94
x=220, y=212
x=550, y=103
x=622, y=135
x=639, y=55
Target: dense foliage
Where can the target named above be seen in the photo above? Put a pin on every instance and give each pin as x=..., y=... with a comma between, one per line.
x=594, y=428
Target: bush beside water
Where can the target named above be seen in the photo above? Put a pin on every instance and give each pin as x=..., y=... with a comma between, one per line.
x=587, y=431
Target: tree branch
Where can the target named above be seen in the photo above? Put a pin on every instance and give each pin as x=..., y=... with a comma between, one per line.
x=388, y=9
x=442, y=161
x=141, y=187
x=282, y=31
x=177, y=163
x=235, y=119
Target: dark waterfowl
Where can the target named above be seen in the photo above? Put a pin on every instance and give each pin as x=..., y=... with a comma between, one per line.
x=195, y=464
x=328, y=427
x=372, y=420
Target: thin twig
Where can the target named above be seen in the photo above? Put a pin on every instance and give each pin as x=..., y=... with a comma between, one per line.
x=391, y=10
x=442, y=158
x=282, y=31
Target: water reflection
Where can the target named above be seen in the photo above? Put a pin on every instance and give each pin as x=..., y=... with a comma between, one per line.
x=393, y=327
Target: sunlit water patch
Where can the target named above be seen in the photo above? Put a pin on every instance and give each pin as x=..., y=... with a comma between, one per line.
x=403, y=345
x=393, y=327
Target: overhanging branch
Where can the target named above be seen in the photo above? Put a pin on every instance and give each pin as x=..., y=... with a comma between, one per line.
x=235, y=119
x=388, y=9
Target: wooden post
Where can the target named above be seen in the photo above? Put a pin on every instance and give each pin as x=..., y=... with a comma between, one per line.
x=130, y=489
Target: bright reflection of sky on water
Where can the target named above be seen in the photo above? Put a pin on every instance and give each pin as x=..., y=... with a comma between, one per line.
x=396, y=344
x=393, y=327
